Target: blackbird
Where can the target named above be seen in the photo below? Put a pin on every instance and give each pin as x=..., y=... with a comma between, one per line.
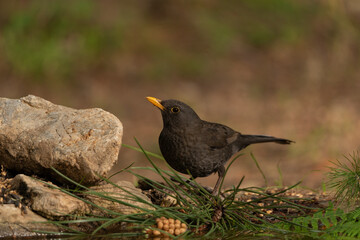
x=191, y=145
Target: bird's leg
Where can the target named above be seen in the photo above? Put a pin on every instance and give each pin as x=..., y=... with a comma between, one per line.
x=221, y=173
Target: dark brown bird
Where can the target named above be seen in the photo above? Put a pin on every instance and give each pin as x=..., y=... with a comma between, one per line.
x=191, y=145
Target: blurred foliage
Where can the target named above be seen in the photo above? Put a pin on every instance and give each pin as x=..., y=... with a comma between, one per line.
x=261, y=22
x=47, y=40
x=54, y=39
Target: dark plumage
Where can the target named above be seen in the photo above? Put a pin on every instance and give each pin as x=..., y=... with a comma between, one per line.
x=190, y=144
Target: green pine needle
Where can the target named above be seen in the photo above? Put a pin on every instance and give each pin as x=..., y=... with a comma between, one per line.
x=344, y=178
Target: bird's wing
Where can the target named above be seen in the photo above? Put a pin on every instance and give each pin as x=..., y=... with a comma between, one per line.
x=216, y=135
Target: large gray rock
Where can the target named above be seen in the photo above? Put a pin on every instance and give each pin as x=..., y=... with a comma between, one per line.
x=46, y=201
x=36, y=134
x=15, y=224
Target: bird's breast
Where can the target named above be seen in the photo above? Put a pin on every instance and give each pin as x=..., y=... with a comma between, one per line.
x=187, y=153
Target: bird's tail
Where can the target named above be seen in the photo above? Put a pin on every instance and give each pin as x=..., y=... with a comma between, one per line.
x=251, y=139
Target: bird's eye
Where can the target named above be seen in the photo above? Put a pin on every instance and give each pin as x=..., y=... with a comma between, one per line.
x=175, y=109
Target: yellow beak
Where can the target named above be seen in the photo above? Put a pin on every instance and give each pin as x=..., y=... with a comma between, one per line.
x=156, y=102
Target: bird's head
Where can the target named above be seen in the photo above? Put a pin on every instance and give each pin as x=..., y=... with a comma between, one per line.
x=175, y=113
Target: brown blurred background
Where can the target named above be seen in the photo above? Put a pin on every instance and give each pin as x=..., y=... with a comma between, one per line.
x=278, y=67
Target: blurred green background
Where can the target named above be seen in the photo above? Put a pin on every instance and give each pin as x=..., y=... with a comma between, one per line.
x=288, y=68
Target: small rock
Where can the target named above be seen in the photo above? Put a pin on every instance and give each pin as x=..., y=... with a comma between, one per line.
x=123, y=193
x=36, y=135
x=48, y=202
x=11, y=214
x=168, y=201
x=13, y=223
